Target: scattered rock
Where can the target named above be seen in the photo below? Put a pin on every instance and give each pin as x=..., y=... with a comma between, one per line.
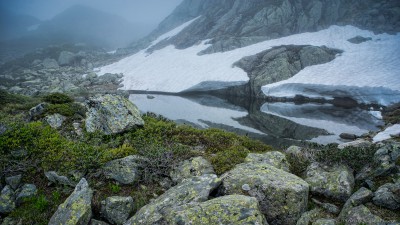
x=310, y=216
x=14, y=181
x=50, y=64
x=77, y=208
x=55, y=120
x=330, y=208
x=274, y=158
x=360, y=215
x=348, y=136
x=189, y=168
x=38, y=110
x=231, y=209
x=195, y=189
x=97, y=222
x=361, y=143
x=388, y=196
x=7, y=203
x=25, y=192
x=54, y=178
x=334, y=182
x=111, y=114
x=117, y=209
x=360, y=197
x=124, y=170
x=325, y=222
x=359, y=39
x=282, y=196
x=66, y=58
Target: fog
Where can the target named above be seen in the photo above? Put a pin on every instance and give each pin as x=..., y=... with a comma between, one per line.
x=136, y=11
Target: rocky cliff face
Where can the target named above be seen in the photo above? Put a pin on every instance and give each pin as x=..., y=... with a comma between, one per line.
x=231, y=24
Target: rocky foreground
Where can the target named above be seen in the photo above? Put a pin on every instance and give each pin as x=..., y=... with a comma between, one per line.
x=224, y=180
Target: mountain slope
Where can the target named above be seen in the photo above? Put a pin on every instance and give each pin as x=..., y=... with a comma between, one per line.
x=13, y=26
x=366, y=70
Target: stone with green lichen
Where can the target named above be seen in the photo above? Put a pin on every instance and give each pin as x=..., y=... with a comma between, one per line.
x=111, y=114
x=25, y=192
x=117, y=209
x=360, y=215
x=189, y=168
x=362, y=196
x=124, y=170
x=77, y=208
x=324, y=222
x=97, y=222
x=7, y=201
x=273, y=158
x=388, y=196
x=282, y=196
x=14, y=181
x=230, y=209
x=55, y=120
x=336, y=182
x=310, y=216
x=195, y=189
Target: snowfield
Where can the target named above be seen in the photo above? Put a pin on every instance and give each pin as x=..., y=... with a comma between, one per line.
x=370, y=71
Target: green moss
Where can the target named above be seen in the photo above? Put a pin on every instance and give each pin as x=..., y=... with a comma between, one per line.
x=114, y=188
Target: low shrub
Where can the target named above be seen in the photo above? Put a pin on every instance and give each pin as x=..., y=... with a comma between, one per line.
x=57, y=98
x=227, y=159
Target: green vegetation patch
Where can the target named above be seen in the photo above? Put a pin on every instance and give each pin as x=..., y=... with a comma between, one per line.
x=57, y=98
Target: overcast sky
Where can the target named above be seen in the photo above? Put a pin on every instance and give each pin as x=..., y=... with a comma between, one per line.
x=137, y=11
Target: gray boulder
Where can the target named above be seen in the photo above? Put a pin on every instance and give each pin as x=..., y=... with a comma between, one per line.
x=362, y=196
x=360, y=215
x=274, y=158
x=330, y=208
x=388, y=196
x=282, y=196
x=14, y=181
x=348, y=136
x=111, y=114
x=50, y=64
x=195, y=189
x=189, y=168
x=55, y=120
x=230, y=209
x=7, y=201
x=66, y=58
x=117, y=209
x=311, y=216
x=25, y=192
x=97, y=222
x=325, y=222
x=38, y=110
x=54, y=178
x=124, y=170
x=77, y=208
x=334, y=182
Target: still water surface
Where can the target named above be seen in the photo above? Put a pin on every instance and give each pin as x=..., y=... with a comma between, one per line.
x=277, y=124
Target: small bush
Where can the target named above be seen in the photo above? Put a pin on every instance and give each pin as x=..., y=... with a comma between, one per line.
x=57, y=98
x=114, y=188
x=226, y=160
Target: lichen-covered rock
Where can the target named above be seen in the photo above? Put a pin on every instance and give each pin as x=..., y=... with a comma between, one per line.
x=388, y=196
x=14, y=181
x=310, y=216
x=189, y=168
x=334, y=182
x=124, y=170
x=324, y=222
x=362, y=196
x=282, y=196
x=38, y=110
x=53, y=177
x=7, y=201
x=330, y=208
x=97, y=222
x=77, y=208
x=111, y=114
x=117, y=209
x=230, y=209
x=195, y=189
x=360, y=215
x=273, y=158
x=25, y=192
x=56, y=120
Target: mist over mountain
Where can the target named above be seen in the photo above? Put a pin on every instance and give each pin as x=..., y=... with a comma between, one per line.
x=14, y=25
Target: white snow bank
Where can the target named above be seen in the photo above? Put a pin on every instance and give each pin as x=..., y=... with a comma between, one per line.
x=386, y=134
x=372, y=64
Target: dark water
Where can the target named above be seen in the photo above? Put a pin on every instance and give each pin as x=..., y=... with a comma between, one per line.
x=277, y=124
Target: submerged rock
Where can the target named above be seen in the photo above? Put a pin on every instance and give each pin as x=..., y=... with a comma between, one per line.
x=77, y=208
x=230, y=209
x=111, y=114
x=282, y=196
x=335, y=182
x=124, y=170
x=189, y=168
x=196, y=189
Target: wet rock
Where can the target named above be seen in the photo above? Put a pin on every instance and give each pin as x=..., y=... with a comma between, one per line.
x=55, y=120
x=54, y=178
x=388, y=196
x=111, y=114
x=274, y=158
x=14, y=181
x=360, y=215
x=334, y=182
x=25, y=192
x=231, y=209
x=124, y=170
x=117, y=209
x=282, y=196
x=359, y=39
x=348, y=136
x=195, y=189
x=189, y=168
x=77, y=208
x=7, y=201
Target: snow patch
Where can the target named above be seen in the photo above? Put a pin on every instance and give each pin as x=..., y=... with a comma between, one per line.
x=386, y=134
